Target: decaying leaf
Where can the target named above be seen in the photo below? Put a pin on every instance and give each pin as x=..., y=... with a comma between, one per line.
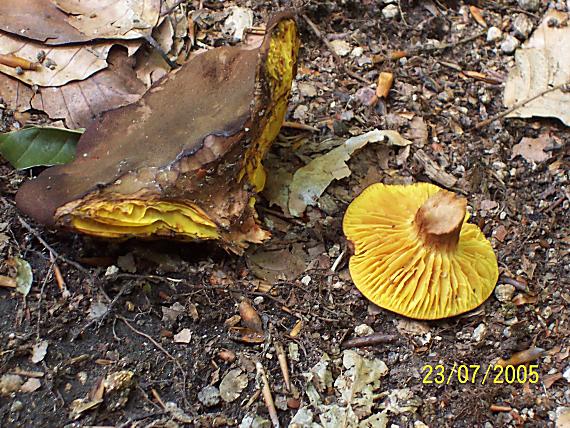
x=238, y=20
x=31, y=385
x=187, y=169
x=16, y=95
x=522, y=357
x=232, y=385
x=281, y=264
x=24, y=275
x=63, y=64
x=246, y=335
x=183, y=336
x=249, y=316
x=57, y=22
x=532, y=149
x=38, y=146
x=80, y=102
x=310, y=181
x=541, y=64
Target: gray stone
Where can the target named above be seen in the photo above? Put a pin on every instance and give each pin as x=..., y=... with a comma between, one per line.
x=510, y=45
x=522, y=26
x=494, y=34
x=504, y=292
x=390, y=11
x=209, y=396
x=530, y=5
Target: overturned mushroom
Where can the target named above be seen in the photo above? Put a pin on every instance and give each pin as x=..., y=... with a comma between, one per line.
x=185, y=161
x=414, y=254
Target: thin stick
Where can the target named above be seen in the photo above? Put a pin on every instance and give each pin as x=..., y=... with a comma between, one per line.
x=59, y=256
x=159, y=346
x=336, y=57
x=267, y=397
x=300, y=126
x=282, y=358
x=519, y=105
x=370, y=340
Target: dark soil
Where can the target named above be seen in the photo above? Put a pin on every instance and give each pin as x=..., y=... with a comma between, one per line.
x=528, y=225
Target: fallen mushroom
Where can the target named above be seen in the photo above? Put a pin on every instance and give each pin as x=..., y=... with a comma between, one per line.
x=185, y=161
x=414, y=254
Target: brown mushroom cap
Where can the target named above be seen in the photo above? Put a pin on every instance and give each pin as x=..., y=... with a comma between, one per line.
x=414, y=254
x=184, y=160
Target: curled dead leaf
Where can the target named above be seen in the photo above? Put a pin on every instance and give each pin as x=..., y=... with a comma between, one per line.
x=522, y=357
x=249, y=316
x=246, y=335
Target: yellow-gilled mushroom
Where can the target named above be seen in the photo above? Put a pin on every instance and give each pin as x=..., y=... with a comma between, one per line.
x=414, y=253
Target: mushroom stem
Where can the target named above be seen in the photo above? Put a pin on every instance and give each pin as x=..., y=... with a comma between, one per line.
x=439, y=220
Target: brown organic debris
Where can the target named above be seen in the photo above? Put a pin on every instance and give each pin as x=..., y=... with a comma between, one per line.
x=522, y=357
x=185, y=170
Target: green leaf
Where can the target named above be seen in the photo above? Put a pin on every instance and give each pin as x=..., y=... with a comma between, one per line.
x=39, y=146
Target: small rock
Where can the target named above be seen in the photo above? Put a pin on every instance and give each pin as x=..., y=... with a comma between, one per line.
x=363, y=330
x=340, y=47
x=184, y=336
x=16, y=406
x=307, y=90
x=510, y=45
x=566, y=374
x=522, y=26
x=258, y=300
x=209, y=396
x=300, y=112
x=494, y=34
x=112, y=270
x=10, y=383
x=504, y=292
x=356, y=52
x=479, y=332
x=366, y=96
x=391, y=11
x=530, y=5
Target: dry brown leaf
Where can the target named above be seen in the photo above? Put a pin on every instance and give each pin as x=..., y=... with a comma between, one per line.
x=39, y=20
x=62, y=64
x=78, y=103
x=249, y=316
x=522, y=357
x=246, y=335
x=296, y=329
x=523, y=299
x=477, y=16
x=548, y=380
x=541, y=64
x=15, y=94
x=385, y=81
x=532, y=149
x=418, y=131
x=275, y=265
x=124, y=19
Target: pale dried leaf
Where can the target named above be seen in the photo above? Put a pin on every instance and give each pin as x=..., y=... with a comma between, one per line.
x=79, y=103
x=184, y=336
x=238, y=20
x=433, y=170
x=275, y=265
x=310, y=181
x=39, y=351
x=63, y=64
x=532, y=149
x=31, y=385
x=542, y=63
x=125, y=19
x=232, y=385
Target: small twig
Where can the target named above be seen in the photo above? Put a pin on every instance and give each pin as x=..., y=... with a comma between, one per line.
x=7, y=281
x=58, y=277
x=300, y=126
x=15, y=62
x=160, y=347
x=517, y=284
x=59, y=256
x=282, y=358
x=336, y=57
x=154, y=44
x=370, y=340
x=267, y=397
x=338, y=261
x=519, y=105
x=158, y=398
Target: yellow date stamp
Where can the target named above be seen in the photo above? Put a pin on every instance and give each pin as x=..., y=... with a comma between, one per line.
x=473, y=373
